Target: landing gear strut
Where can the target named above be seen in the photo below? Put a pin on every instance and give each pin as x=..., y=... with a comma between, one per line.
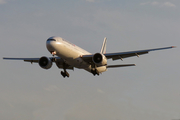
x=53, y=59
x=95, y=72
x=53, y=53
x=65, y=73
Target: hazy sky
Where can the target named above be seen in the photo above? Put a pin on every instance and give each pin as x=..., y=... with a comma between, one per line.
x=148, y=91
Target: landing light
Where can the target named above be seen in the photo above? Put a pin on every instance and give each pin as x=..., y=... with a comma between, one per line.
x=58, y=43
x=53, y=52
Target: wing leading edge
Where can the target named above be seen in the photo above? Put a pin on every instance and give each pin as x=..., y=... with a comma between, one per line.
x=59, y=61
x=35, y=60
x=121, y=55
x=25, y=59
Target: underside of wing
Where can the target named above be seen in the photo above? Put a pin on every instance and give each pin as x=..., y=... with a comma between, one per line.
x=121, y=55
x=117, y=56
x=59, y=62
x=87, y=58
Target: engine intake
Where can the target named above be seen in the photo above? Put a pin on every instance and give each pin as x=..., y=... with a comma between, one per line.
x=99, y=59
x=45, y=62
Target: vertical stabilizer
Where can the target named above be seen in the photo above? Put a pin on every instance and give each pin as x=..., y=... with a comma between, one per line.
x=103, y=48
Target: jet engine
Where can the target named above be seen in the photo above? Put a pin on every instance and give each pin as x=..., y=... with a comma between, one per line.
x=99, y=59
x=45, y=62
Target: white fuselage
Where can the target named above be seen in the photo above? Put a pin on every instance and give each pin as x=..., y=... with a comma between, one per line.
x=69, y=52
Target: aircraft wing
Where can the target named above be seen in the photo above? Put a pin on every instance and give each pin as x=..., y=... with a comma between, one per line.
x=121, y=55
x=59, y=61
x=25, y=59
x=35, y=60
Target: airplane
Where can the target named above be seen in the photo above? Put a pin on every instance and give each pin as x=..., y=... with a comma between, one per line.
x=69, y=56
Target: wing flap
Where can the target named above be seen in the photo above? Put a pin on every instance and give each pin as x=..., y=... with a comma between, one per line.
x=117, y=57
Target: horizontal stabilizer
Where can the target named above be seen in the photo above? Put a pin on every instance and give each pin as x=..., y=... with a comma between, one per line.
x=125, y=65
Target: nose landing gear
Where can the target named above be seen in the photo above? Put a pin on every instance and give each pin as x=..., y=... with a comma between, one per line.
x=53, y=53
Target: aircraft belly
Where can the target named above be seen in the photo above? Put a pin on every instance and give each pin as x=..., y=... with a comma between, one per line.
x=77, y=63
x=71, y=57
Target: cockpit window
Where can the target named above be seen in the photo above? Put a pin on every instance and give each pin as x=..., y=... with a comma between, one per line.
x=51, y=40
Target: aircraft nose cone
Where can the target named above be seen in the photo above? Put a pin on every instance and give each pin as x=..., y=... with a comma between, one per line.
x=50, y=44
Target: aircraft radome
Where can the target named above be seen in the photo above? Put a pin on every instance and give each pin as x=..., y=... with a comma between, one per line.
x=69, y=56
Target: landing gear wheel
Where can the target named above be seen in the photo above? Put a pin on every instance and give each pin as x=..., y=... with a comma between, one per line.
x=64, y=74
x=67, y=74
x=53, y=59
x=95, y=72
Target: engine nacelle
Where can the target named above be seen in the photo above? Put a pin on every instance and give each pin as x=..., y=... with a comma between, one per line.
x=99, y=59
x=45, y=62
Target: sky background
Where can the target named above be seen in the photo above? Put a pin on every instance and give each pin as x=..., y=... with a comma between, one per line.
x=149, y=91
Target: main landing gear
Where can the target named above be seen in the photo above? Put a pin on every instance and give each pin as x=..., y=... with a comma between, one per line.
x=95, y=72
x=65, y=73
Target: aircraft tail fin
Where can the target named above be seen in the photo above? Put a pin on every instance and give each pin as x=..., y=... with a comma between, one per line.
x=103, y=48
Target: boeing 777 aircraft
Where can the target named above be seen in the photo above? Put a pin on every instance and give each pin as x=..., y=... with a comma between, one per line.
x=70, y=56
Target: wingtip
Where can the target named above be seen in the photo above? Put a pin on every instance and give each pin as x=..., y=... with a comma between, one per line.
x=173, y=46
